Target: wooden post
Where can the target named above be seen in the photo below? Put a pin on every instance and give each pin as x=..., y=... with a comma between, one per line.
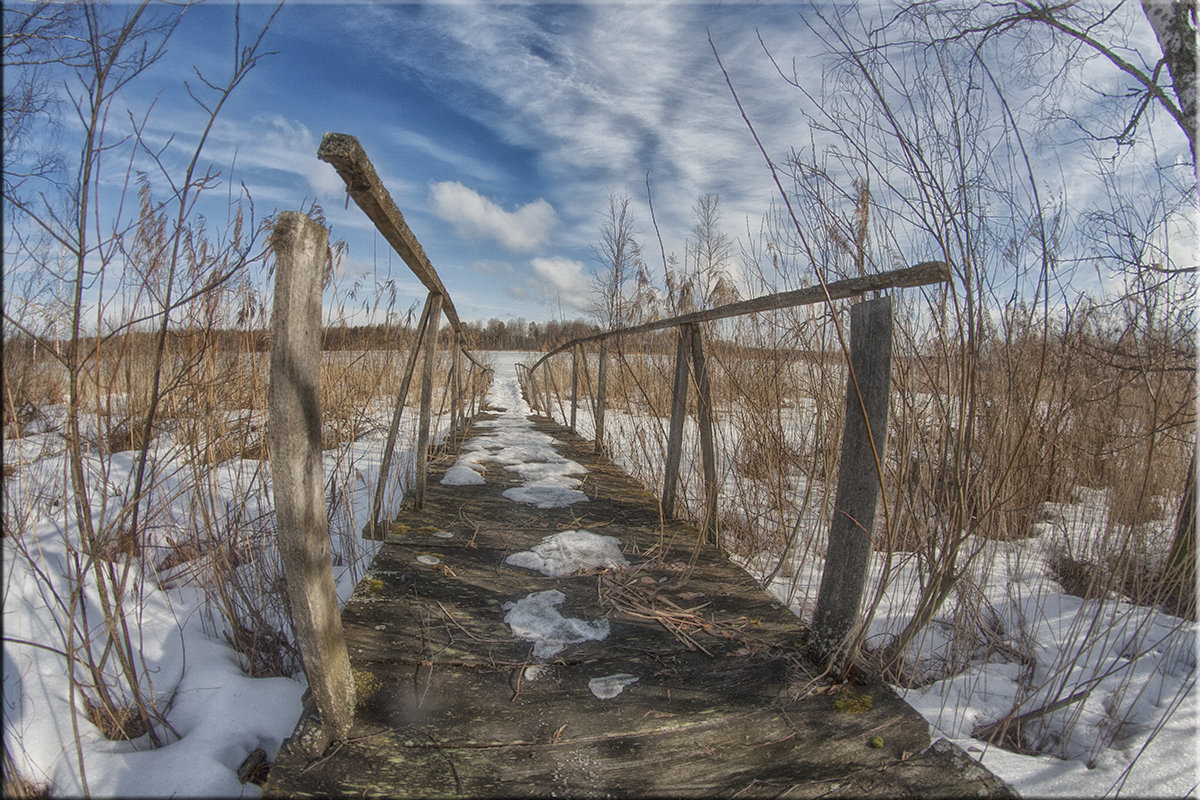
x=455, y=386
x=546, y=389
x=422, y=454
x=468, y=411
x=679, y=393
x=601, y=373
x=587, y=385
x=372, y=531
x=557, y=392
x=574, y=383
x=704, y=419
x=1181, y=559
x=294, y=407
x=531, y=390
x=864, y=440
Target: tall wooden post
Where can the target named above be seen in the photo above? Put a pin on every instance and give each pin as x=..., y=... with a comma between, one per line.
x=372, y=530
x=704, y=419
x=469, y=411
x=574, y=384
x=864, y=440
x=422, y=454
x=1181, y=559
x=455, y=384
x=601, y=373
x=294, y=422
x=531, y=390
x=587, y=383
x=679, y=393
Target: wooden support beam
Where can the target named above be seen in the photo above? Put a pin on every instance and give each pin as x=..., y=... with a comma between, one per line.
x=372, y=529
x=455, y=386
x=601, y=374
x=704, y=419
x=574, y=384
x=864, y=441
x=679, y=393
x=588, y=391
x=294, y=423
x=546, y=379
x=532, y=394
x=426, y=408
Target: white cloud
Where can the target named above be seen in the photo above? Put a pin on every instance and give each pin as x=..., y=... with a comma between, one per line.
x=562, y=280
x=520, y=231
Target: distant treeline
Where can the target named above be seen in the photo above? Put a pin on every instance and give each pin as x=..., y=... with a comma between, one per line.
x=492, y=334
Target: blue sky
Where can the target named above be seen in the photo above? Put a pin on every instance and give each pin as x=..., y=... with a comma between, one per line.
x=501, y=130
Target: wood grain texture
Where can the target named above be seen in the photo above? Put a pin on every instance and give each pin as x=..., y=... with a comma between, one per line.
x=720, y=713
x=864, y=439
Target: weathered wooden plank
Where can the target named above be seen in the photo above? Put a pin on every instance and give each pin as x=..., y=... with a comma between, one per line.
x=455, y=387
x=864, y=440
x=347, y=156
x=294, y=408
x=363, y=184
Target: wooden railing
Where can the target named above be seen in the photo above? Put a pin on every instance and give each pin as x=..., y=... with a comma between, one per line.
x=301, y=248
x=363, y=185
x=864, y=436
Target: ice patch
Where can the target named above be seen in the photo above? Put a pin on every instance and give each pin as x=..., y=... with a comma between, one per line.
x=535, y=619
x=462, y=475
x=432, y=561
x=545, y=496
x=610, y=686
x=568, y=552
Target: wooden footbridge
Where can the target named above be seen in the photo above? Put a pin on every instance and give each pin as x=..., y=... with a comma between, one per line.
x=671, y=674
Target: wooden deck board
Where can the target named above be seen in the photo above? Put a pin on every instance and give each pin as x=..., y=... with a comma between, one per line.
x=717, y=714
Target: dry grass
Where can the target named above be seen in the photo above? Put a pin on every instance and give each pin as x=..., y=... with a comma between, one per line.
x=985, y=447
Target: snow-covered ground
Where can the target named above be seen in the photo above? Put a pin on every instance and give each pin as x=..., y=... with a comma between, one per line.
x=216, y=714
x=1138, y=663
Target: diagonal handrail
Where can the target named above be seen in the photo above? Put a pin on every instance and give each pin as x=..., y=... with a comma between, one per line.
x=347, y=156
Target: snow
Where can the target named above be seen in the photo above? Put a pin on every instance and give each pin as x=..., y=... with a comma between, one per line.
x=568, y=552
x=1134, y=732
x=514, y=443
x=609, y=686
x=217, y=713
x=1122, y=667
x=534, y=618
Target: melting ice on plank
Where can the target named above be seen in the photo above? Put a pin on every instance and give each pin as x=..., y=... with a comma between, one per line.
x=568, y=552
x=535, y=619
